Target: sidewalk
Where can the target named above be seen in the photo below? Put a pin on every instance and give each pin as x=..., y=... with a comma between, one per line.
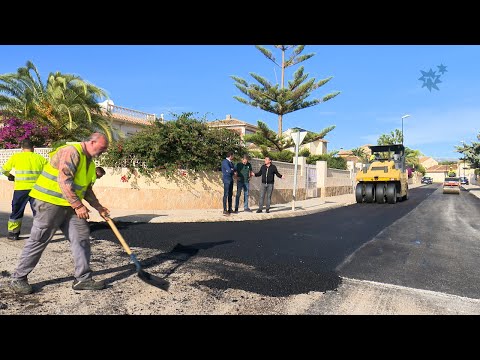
x=473, y=189
x=302, y=207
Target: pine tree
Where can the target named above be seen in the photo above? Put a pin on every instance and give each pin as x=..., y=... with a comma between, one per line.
x=278, y=99
x=265, y=138
x=471, y=153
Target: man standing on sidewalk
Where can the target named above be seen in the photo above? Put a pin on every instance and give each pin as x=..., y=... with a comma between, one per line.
x=65, y=181
x=28, y=167
x=267, y=172
x=244, y=172
x=227, y=176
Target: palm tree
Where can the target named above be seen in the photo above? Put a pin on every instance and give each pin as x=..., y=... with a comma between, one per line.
x=75, y=104
x=23, y=92
x=412, y=157
x=67, y=103
x=361, y=154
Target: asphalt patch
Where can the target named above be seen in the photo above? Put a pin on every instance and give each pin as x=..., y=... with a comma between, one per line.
x=276, y=257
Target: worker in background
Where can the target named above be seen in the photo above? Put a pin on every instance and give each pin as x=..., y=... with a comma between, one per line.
x=28, y=166
x=372, y=158
x=99, y=172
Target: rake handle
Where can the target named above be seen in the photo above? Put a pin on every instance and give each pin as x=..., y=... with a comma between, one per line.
x=119, y=236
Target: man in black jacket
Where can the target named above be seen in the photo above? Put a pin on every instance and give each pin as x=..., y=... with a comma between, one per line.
x=267, y=172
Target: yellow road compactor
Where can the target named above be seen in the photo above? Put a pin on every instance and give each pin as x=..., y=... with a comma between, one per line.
x=384, y=178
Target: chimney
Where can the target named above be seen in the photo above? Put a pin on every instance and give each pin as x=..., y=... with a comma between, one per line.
x=229, y=117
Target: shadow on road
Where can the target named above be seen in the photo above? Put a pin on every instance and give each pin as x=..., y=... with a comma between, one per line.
x=268, y=282
x=264, y=279
x=138, y=218
x=179, y=254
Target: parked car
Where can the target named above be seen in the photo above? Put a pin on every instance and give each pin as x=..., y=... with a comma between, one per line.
x=464, y=180
x=451, y=185
x=427, y=180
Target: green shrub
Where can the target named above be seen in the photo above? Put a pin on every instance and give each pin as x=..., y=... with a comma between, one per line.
x=185, y=143
x=333, y=162
x=304, y=152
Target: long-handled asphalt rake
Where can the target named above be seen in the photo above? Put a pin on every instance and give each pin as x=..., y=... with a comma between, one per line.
x=148, y=278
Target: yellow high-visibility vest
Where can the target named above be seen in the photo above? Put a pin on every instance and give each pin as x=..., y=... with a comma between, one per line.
x=47, y=189
x=28, y=167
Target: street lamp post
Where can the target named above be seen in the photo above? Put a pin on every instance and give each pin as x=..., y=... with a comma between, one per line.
x=463, y=143
x=404, y=117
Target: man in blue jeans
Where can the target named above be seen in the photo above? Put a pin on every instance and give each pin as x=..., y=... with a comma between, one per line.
x=243, y=171
x=228, y=170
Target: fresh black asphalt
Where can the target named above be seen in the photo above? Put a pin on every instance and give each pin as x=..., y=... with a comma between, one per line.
x=311, y=253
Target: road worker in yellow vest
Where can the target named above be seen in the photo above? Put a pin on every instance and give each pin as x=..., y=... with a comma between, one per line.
x=28, y=166
x=65, y=181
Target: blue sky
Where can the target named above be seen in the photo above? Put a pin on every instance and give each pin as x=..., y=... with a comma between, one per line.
x=378, y=83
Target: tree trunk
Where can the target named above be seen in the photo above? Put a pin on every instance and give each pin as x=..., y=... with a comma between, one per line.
x=279, y=125
x=282, y=85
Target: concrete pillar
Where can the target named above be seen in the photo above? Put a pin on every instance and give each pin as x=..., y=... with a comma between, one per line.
x=302, y=162
x=322, y=173
x=350, y=165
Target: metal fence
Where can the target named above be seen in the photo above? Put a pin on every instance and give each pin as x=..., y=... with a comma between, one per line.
x=118, y=110
x=311, y=181
x=286, y=169
x=306, y=178
x=6, y=153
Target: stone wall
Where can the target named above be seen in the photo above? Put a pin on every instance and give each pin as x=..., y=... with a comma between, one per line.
x=202, y=191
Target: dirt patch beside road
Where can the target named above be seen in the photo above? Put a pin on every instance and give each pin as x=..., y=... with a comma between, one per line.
x=126, y=293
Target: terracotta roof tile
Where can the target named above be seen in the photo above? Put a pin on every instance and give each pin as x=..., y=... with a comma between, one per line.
x=442, y=168
x=230, y=122
x=131, y=119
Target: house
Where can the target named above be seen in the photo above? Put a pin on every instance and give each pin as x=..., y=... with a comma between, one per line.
x=427, y=161
x=126, y=121
x=357, y=161
x=348, y=155
x=243, y=128
x=440, y=172
x=465, y=169
x=317, y=147
x=240, y=127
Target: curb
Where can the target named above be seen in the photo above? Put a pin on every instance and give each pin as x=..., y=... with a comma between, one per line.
x=233, y=218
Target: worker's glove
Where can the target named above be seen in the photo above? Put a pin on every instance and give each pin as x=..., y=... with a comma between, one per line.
x=11, y=177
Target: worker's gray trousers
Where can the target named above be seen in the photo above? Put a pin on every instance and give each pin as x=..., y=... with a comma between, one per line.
x=48, y=219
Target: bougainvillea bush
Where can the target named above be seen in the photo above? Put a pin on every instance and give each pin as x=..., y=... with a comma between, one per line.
x=14, y=130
